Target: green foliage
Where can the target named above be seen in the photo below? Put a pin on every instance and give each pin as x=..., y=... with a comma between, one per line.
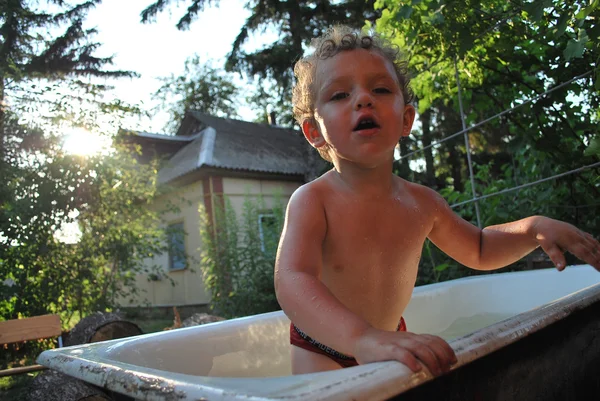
x=264, y=100
x=14, y=387
x=36, y=64
x=594, y=147
x=497, y=61
x=297, y=22
x=149, y=13
x=505, y=54
x=48, y=85
x=238, y=256
x=25, y=52
x=201, y=87
x=567, y=199
x=46, y=189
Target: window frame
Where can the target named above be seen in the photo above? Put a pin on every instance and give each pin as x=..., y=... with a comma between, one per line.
x=174, y=265
x=261, y=233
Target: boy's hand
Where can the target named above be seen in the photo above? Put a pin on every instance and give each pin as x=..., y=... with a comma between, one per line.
x=409, y=348
x=555, y=237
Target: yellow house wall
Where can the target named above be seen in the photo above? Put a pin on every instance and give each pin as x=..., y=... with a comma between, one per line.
x=189, y=288
x=236, y=190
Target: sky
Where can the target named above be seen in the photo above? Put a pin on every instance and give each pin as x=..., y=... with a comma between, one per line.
x=158, y=49
x=155, y=50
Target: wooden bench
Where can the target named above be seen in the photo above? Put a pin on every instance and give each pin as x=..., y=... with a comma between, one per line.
x=31, y=328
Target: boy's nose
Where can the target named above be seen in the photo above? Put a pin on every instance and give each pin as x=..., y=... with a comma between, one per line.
x=363, y=100
x=360, y=105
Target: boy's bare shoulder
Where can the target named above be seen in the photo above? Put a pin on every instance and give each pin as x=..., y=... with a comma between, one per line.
x=428, y=199
x=312, y=193
x=319, y=187
x=421, y=192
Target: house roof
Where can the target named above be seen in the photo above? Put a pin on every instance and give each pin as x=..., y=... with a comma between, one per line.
x=207, y=141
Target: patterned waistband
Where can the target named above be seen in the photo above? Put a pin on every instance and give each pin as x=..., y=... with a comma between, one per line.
x=331, y=351
x=322, y=347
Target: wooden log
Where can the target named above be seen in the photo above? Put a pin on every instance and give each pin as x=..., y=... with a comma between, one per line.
x=53, y=386
x=101, y=326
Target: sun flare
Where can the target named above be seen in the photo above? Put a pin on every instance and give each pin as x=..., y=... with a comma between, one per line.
x=82, y=142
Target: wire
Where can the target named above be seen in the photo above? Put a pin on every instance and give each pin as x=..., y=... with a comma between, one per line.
x=527, y=185
x=496, y=115
x=467, y=145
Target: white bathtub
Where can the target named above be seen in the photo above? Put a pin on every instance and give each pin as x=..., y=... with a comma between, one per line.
x=248, y=358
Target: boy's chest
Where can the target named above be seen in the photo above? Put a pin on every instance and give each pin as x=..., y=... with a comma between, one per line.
x=381, y=233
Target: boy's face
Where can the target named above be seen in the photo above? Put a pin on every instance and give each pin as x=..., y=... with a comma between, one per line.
x=359, y=108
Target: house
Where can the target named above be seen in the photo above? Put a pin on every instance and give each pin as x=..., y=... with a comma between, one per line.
x=208, y=158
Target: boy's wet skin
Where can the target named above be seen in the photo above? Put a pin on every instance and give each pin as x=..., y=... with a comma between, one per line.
x=362, y=227
x=349, y=251
x=363, y=239
x=357, y=251
x=359, y=110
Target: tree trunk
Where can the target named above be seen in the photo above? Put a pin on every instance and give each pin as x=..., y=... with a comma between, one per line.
x=426, y=139
x=455, y=166
x=101, y=327
x=2, y=117
x=297, y=28
x=53, y=386
x=404, y=162
x=449, y=125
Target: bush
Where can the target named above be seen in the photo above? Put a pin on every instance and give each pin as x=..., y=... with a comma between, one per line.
x=238, y=256
x=571, y=199
x=107, y=196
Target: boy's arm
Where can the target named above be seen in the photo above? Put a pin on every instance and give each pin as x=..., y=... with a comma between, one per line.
x=500, y=245
x=313, y=308
x=303, y=297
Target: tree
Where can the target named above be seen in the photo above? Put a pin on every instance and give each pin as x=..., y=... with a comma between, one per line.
x=44, y=188
x=507, y=53
x=201, y=87
x=29, y=54
x=500, y=65
x=297, y=22
x=34, y=65
x=106, y=194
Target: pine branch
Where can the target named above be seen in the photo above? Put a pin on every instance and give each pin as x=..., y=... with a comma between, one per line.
x=62, y=58
x=149, y=13
x=77, y=12
x=192, y=12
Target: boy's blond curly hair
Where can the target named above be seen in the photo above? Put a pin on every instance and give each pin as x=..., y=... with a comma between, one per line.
x=335, y=40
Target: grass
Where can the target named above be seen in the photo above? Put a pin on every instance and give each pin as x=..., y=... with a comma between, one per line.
x=14, y=388
x=152, y=325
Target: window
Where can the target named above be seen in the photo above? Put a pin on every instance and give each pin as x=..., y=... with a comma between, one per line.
x=176, y=238
x=269, y=235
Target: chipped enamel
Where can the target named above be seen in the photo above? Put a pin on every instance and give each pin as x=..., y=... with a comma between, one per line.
x=248, y=358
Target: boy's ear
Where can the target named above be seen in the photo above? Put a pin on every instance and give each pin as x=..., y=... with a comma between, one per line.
x=312, y=133
x=409, y=119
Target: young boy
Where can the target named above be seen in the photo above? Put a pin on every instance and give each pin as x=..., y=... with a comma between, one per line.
x=348, y=257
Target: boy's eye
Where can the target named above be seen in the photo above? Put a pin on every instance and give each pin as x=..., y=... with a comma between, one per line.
x=339, y=96
x=382, y=90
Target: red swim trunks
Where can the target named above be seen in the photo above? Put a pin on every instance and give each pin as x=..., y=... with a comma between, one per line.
x=302, y=340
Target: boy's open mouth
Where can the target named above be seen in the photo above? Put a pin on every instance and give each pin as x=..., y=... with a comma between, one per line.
x=366, y=123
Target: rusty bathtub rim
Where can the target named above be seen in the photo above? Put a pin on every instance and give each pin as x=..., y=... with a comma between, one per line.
x=372, y=382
